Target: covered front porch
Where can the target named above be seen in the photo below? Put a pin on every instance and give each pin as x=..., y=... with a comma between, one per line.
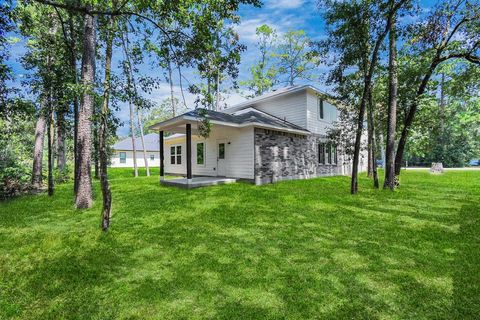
x=183, y=128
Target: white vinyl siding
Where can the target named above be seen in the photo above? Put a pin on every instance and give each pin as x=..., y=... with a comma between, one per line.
x=116, y=163
x=315, y=123
x=291, y=108
x=239, y=153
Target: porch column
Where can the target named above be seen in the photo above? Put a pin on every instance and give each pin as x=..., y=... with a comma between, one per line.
x=162, y=157
x=189, y=152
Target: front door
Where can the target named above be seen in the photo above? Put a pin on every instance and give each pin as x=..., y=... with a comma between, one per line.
x=221, y=158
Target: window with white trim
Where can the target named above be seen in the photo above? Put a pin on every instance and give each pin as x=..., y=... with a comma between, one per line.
x=320, y=109
x=327, y=153
x=326, y=111
x=176, y=155
x=123, y=157
x=321, y=153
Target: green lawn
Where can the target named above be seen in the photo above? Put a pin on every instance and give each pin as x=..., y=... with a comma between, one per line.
x=299, y=249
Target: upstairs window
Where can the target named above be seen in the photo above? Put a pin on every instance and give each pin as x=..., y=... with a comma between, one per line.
x=326, y=111
x=320, y=109
x=176, y=155
x=123, y=157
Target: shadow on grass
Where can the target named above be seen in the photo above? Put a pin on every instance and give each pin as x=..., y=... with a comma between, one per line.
x=466, y=283
x=298, y=249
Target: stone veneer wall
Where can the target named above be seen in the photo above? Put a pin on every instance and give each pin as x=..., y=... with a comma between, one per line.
x=285, y=156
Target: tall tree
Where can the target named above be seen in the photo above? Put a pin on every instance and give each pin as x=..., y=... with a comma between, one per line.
x=50, y=142
x=296, y=59
x=37, y=176
x=103, y=132
x=389, y=181
x=263, y=72
x=84, y=197
x=194, y=25
x=451, y=32
x=357, y=31
x=372, y=140
x=131, y=95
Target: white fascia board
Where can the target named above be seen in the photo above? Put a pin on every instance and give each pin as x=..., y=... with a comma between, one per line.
x=243, y=125
x=167, y=123
x=257, y=124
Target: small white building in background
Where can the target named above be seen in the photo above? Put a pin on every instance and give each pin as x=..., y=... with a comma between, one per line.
x=123, y=152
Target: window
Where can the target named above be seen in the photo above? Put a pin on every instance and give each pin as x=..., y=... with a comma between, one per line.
x=321, y=153
x=176, y=155
x=123, y=157
x=327, y=153
x=221, y=151
x=320, y=108
x=152, y=157
x=201, y=153
x=327, y=111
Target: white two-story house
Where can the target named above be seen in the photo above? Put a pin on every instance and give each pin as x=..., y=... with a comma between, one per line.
x=277, y=136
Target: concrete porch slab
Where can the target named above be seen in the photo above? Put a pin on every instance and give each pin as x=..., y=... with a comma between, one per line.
x=197, y=182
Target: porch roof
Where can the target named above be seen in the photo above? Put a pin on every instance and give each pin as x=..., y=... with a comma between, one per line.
x=251, y=118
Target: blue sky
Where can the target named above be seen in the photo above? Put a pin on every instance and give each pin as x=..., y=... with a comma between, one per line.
x=282, y=15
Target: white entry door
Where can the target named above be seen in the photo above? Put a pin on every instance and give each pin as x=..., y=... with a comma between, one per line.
x=221, y=158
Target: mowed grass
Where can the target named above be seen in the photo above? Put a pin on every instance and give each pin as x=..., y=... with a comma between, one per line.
x=296, y=250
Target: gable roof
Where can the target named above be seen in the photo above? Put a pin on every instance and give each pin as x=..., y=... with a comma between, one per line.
x=277, y=93
x=151, y=143
x=252, y=117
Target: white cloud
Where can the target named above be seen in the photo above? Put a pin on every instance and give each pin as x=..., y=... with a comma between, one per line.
x=163, y=92
x=284, y=4
x=247, y=28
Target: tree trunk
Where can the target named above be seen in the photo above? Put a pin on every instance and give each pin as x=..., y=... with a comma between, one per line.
x=410, y=116
x=84, y=198
x=132, y=133
x=382, y=150
x=367, y=87
x=38, y=151
x=369, y=149
x=140, y=125
x=170, y=80
x=103, y=132
x=73, y=66
x=140, y=122
x=209, y=91
x=50, y=137
x=442, y=118
x=61, y=155
x=392, y=109
x=95, y=150
x=361, y=114
x=371, y=129
x=130, y=105
x=217, y=96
